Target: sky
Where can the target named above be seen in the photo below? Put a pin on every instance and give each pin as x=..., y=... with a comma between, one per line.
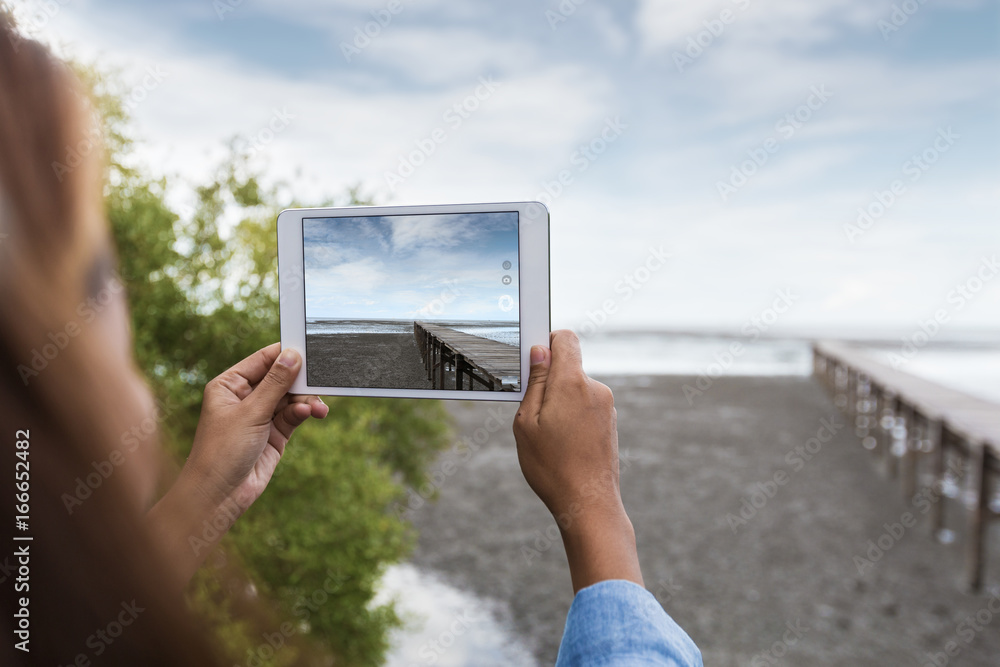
x=423, y=267
x=842, y=153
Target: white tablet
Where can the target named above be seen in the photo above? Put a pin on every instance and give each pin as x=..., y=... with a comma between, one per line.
x=415, y=301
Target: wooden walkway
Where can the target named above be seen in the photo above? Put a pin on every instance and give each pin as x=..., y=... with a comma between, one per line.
x=472, y=358
x=914, y=425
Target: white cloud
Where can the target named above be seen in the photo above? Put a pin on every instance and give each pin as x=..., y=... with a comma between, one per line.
x=654, y=186
x=668, y=24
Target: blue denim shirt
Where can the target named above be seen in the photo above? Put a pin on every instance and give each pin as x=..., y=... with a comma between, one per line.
x=618, y=622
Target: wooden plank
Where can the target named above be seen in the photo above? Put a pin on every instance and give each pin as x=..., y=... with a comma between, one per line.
x=972, y=416
x=952, y=419
x=492, y=359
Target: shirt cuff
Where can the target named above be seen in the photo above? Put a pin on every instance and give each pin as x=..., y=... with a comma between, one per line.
x=617, y=622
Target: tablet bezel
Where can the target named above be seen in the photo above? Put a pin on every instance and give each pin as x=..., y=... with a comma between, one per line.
x=533, y=283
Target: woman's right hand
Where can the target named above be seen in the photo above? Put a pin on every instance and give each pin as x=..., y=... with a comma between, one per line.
x=567, y=445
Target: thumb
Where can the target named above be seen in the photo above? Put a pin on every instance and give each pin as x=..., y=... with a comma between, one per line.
x=541, y=360
x=276, y=383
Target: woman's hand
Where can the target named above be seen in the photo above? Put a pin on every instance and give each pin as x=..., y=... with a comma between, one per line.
x=567, y=445
x=246, y=420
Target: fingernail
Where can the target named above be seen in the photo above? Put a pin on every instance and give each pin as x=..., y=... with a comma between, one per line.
x=537, y=354
x=287, y=358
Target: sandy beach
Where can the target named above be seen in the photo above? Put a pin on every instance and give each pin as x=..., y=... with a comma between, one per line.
x=386, y=360
x=735, y=587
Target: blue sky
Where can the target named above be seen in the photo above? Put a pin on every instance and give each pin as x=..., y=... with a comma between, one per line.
x=421, y=267
x=690, y=128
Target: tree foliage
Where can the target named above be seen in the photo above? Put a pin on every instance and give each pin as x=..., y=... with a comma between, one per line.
x=203, y=297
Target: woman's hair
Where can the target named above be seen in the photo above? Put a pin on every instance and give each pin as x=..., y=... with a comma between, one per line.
x=86, y=575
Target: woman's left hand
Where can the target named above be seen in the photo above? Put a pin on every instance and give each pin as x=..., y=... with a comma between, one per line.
x=246, y=420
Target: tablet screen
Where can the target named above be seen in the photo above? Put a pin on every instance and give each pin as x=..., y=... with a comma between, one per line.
x=427, y=301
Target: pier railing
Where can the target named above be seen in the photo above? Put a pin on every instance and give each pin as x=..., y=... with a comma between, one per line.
x=914, y=426
x=473, y=359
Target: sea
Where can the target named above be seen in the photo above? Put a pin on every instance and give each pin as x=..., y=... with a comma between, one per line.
x=970, y=365
x=504, y=332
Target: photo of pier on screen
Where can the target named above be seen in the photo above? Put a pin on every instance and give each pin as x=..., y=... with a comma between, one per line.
x=424, y=301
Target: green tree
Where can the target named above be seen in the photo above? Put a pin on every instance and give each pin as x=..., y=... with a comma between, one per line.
x=202, y=297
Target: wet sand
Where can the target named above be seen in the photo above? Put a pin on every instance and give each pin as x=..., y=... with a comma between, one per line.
x=385, y=360
x=684, y=469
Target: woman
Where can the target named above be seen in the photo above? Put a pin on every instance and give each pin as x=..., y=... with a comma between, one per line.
x=100, y=579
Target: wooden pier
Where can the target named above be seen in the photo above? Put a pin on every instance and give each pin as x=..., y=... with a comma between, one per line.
x=915, y=426
x=473, y=359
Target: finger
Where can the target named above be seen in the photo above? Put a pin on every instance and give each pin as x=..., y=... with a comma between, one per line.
x=290, y=418
x=275, y=384
x=567, y=359
x=316, y=407
x=256, y=366
x=319, y=408
x=534, y=393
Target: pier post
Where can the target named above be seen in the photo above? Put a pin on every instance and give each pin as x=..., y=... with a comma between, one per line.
x=976, y=504
x=935, y=436
x=427, y=355
x=877, y=431
x=441, y=365
x=436, y=362
x=459, y=371
x=908, y=462
x=472, y=358
x=910, y=416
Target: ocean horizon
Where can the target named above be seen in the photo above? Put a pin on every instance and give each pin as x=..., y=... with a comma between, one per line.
x=970, y=364
x=501, y=331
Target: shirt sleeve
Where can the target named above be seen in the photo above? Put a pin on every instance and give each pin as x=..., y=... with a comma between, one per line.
x=618, y=623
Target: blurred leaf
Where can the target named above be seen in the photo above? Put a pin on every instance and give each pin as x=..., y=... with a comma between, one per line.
x=204, y=297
